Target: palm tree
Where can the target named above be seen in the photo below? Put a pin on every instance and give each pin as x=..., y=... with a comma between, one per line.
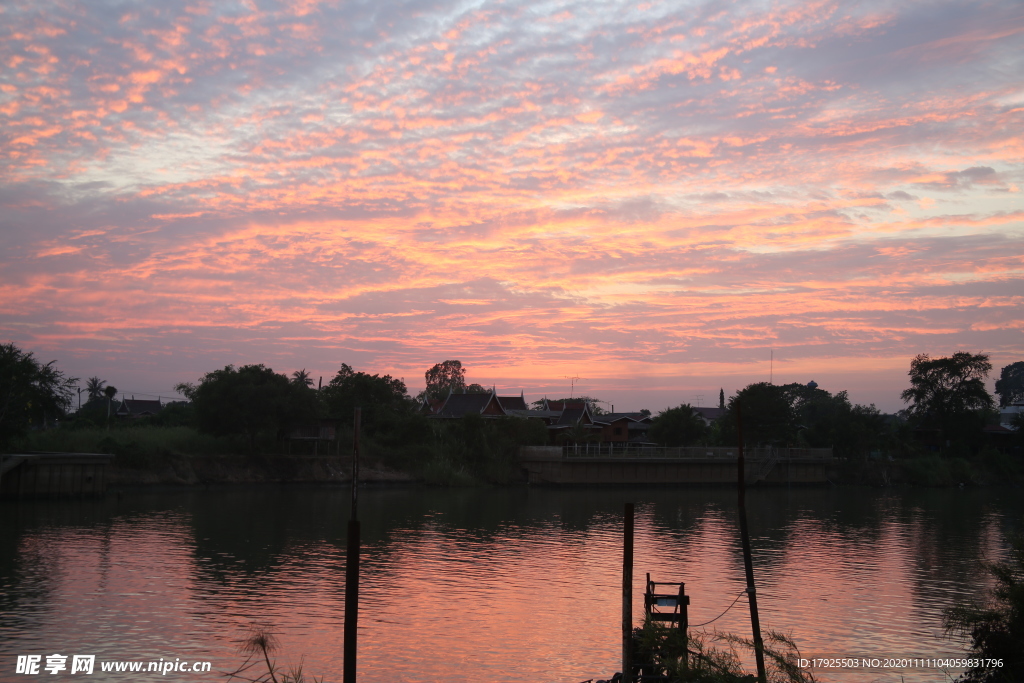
x=95, y=387
x=578, y=433
x=110, y=392
x=302, y=378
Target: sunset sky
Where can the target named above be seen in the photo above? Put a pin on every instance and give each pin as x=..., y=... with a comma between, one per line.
x=655, y=197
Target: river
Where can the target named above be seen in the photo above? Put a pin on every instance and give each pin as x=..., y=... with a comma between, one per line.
x=506, y=584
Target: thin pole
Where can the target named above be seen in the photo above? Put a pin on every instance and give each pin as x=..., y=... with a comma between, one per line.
x=352, y=566
x=627, y=595
x=356, y=420
x=748, y=563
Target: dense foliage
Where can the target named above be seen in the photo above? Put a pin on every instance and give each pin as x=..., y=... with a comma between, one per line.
x=381, y=399
x=442, y=378
x=767, y=413
x=1010, y=385
x=803, y=416
x=681, y=426
x=30, y=392
x=249, y=400
x=948, y=395
x=996, y=629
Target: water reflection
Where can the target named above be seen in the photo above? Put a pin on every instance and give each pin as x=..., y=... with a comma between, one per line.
x=484, y=585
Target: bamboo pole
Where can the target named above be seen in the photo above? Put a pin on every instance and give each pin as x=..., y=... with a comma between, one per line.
x=352, y=564
x=627, y=595
x=748, y=563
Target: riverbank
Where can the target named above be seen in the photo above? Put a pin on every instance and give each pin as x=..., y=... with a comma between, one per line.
x=244, y=469
x=989, y=468
x=178, y=470
x=180, y=456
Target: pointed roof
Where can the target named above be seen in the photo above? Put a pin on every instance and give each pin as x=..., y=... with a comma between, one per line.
x=513, y=403
x=459, y=405
x=139, y=407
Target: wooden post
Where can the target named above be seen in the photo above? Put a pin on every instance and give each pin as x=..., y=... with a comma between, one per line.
x=356, y=419
x=352, y=566
x=627, y=595
x=684, y=624
x=748, y=563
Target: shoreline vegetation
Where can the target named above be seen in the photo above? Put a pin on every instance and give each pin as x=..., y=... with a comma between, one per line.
x=251, y=424
x=182, y=456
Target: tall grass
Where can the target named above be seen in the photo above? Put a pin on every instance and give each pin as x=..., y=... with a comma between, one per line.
x=713, y=657
x=143, y=441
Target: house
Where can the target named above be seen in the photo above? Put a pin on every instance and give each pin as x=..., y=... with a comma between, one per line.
x=456, y=406
x=565, y=420
x=623, y=427
x=132, y=408
x=1008, y=415
x=710, y=414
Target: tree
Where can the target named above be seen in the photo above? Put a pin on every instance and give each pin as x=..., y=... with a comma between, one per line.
x=1010, y=385
x=94, y=387
x=592, y=403
x=302, y=378
x=381, y=399
x=721, y=398
x=768, y=415
x=831, y=421
x=110, y=392
x=249, y=401
x=949, y=394
x=30, y=392
x=445, y=377
x=682, y=426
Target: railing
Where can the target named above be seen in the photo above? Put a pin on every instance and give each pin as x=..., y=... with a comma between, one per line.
x=614, y=450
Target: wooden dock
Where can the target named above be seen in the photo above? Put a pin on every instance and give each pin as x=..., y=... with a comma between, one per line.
x=53, y=475
x=654, y=466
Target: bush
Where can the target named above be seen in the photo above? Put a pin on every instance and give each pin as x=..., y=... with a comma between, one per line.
x=996, y=629
x=147, y=442
x=659, y=651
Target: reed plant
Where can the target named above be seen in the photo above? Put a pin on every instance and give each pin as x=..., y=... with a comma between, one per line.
x=703, y=657
x=258, y=646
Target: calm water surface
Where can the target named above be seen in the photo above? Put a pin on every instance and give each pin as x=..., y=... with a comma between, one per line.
x=483, y=585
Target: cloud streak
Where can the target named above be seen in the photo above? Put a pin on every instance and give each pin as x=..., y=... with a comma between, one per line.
x=641, y=191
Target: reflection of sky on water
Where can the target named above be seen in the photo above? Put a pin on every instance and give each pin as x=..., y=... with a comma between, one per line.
x=483, y=585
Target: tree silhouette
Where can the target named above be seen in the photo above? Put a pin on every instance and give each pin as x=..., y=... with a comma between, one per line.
x=949, y=394
x=30, y=391
x=680, y=426
x=445, y=377
x=1010, y=385
x=94, y=387
x=302, y=378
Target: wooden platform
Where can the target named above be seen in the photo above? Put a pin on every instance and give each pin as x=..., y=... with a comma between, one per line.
x=654, y=466
x=53, y=475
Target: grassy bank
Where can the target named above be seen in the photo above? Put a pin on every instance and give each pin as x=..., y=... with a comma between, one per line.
x=988, y=468
x=149, y=454
x=466, y=453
